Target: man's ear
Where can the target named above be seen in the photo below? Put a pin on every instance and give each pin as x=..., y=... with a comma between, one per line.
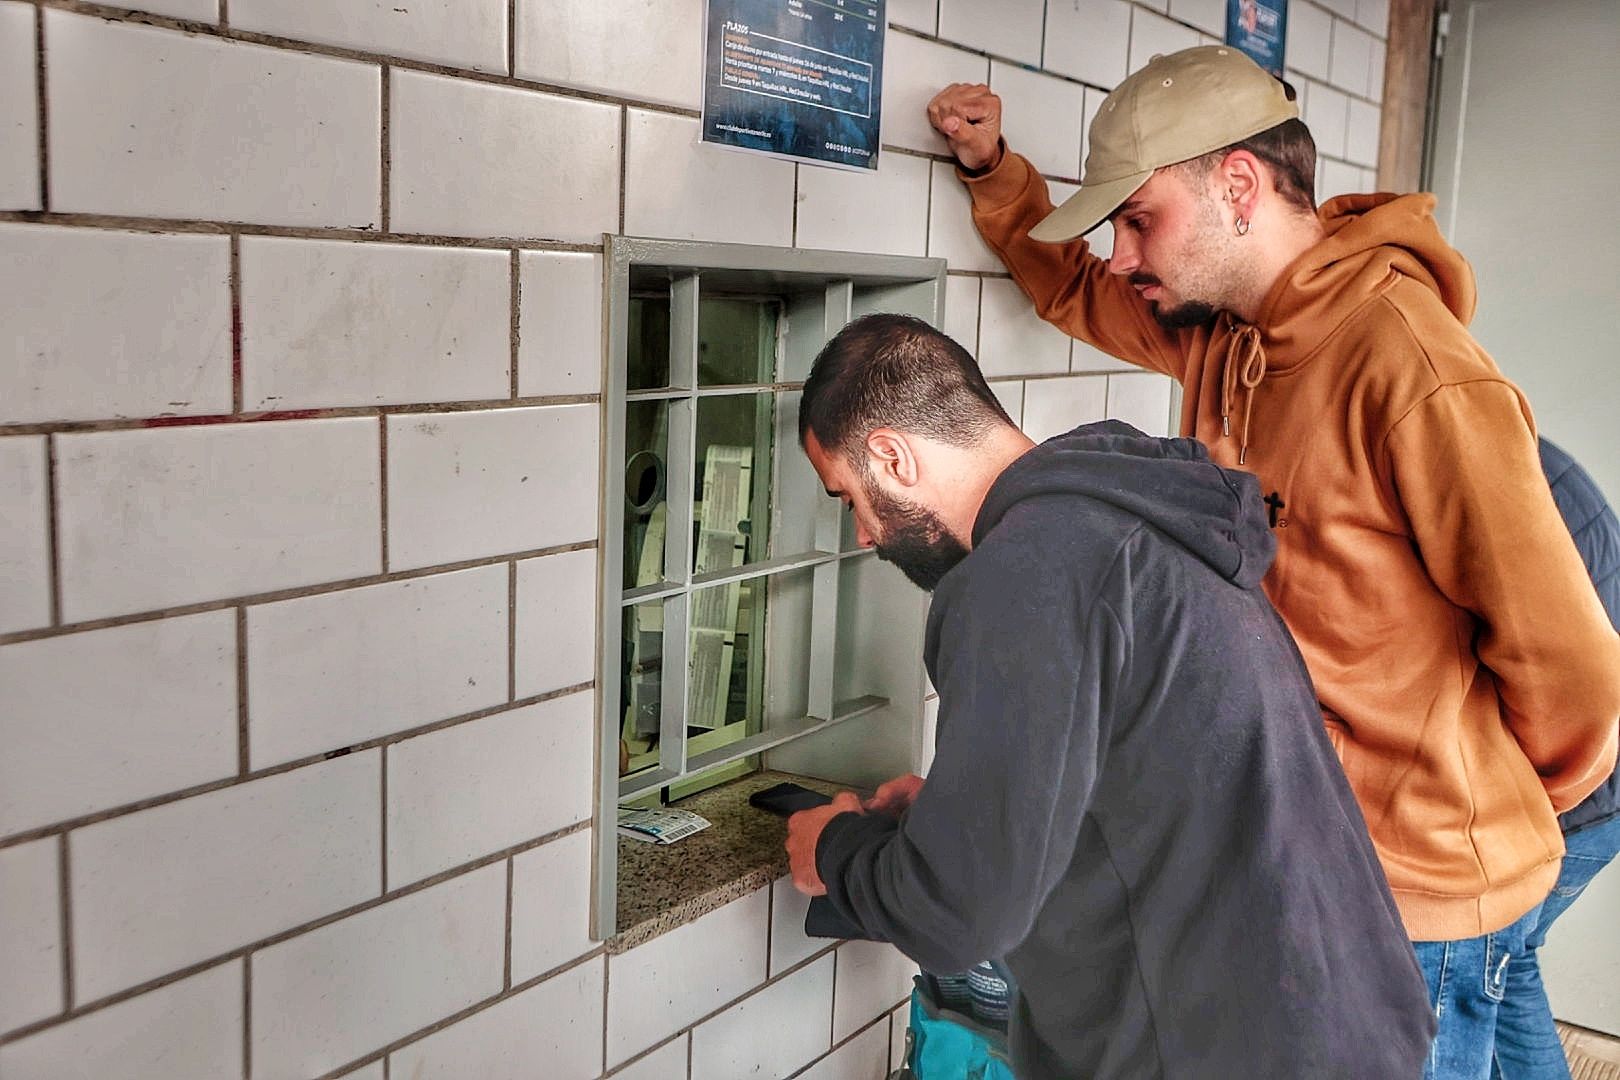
x=1243, y=178
x=890, y=454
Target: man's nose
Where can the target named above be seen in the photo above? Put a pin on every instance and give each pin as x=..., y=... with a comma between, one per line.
x=1125, y=258
x=862, y=537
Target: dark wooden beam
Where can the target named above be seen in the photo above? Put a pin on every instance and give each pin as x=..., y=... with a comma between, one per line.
x=1406, y=94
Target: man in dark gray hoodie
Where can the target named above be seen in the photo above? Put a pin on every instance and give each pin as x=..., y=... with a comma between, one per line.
x=1133, y=802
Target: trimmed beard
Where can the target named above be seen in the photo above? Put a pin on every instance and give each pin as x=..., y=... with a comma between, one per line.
x=914, y=538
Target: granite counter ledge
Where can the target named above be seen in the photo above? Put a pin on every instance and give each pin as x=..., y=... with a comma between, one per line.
x=663, y=887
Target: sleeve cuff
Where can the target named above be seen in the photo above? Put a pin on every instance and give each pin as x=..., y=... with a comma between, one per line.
x=1001, y=184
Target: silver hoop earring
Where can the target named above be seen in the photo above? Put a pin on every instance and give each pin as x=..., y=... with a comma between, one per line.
x=1242, y=227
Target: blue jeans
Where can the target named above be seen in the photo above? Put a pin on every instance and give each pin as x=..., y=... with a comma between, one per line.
x=1467, y=980
x=1527, y=1045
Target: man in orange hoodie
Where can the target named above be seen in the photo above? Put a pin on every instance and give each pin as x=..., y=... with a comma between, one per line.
x=1467, y=673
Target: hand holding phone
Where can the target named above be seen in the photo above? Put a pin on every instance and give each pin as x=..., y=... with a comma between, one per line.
x=787, y=799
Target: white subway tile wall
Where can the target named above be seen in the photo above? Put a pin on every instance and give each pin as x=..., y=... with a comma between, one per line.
x=678, y=188
x=656, y=989
x=789, y=943
x=472, y=789
x=885, y=212
x=207, y=512
x=1054, y=406
x=864, y=1057
x=1153, y=35
x=19, y=110
x=331, y=670
x=170, y=684
x=668, y=1062
x=551, y=911
x=555, y=590
x=25, y=553
x=125, y=142
x=465, y=485
x=1043, y=114
x=872, y=978
x=290, y=692
x=951, y=235
x=327, y=997
x=1008, y=28
x=472, y=159
x=914, y=70
x=1309, y=45
x=775, y=1032
x=159, y=346
x=188, y=1028
x=468, y=34
x=31, y=932
x=560, y=323
x=186, y=881
x=585, y=44
x=1089, y=40
x=1327, y=114
x=333, y=323
x=1013, y=340
x=962, y=311
x=553, y=1029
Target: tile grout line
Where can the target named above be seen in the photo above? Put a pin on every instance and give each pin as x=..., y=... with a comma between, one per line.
x=256, y=599
x=243, y=766
x=511, y=630
x=235, y=286
x=332, y=412
x=124, y=15
x=57, y=828
x=224, y=15
x=511, y=38
x=607, y=965
x=382, y=769
x=385, y=144
x=516, y=316
x=349, y=1068
x=214, y=227
x=42, y=112
x=382, y=489
x=832, y=1012
x=247, y=1002
x=64, y=882
x=53, y=540
x=881, y=1018
x=506, y=968
x=624, y=160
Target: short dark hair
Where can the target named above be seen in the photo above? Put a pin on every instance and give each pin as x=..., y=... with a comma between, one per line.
x=895, y=371
x=1290, y=151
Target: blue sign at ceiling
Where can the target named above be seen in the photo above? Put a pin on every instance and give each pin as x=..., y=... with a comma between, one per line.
x=1259, y=28
x=797, y=78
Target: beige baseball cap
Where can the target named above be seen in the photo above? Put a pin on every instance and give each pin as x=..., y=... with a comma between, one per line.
x=1177, y=107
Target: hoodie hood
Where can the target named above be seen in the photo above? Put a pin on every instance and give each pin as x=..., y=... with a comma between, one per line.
x=1372, y=241
x=1171, y=484
x=1369, y=238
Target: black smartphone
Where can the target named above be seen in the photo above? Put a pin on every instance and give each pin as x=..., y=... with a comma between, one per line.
x=788, y=798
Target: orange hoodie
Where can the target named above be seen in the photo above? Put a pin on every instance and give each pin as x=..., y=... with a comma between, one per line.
x=1467, y=673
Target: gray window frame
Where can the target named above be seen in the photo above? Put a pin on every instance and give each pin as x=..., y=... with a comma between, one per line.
x=848, y=284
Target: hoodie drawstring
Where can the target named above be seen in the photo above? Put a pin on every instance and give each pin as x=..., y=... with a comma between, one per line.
x=1246, y=364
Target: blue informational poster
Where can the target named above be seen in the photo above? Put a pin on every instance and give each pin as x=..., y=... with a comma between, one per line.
x=796, y=78
x=1259, y=28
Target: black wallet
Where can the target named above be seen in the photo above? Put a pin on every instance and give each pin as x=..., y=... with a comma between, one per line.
x=787, y=799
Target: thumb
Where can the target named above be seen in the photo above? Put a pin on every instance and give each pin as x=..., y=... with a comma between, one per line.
x=952, y=125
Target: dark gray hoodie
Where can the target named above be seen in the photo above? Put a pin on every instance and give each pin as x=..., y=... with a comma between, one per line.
x=1133, y=801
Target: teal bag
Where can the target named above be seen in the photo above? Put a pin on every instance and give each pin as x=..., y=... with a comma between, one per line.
x=943, y=1044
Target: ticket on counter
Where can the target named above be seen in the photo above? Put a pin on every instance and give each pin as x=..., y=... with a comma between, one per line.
x=660, y=826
